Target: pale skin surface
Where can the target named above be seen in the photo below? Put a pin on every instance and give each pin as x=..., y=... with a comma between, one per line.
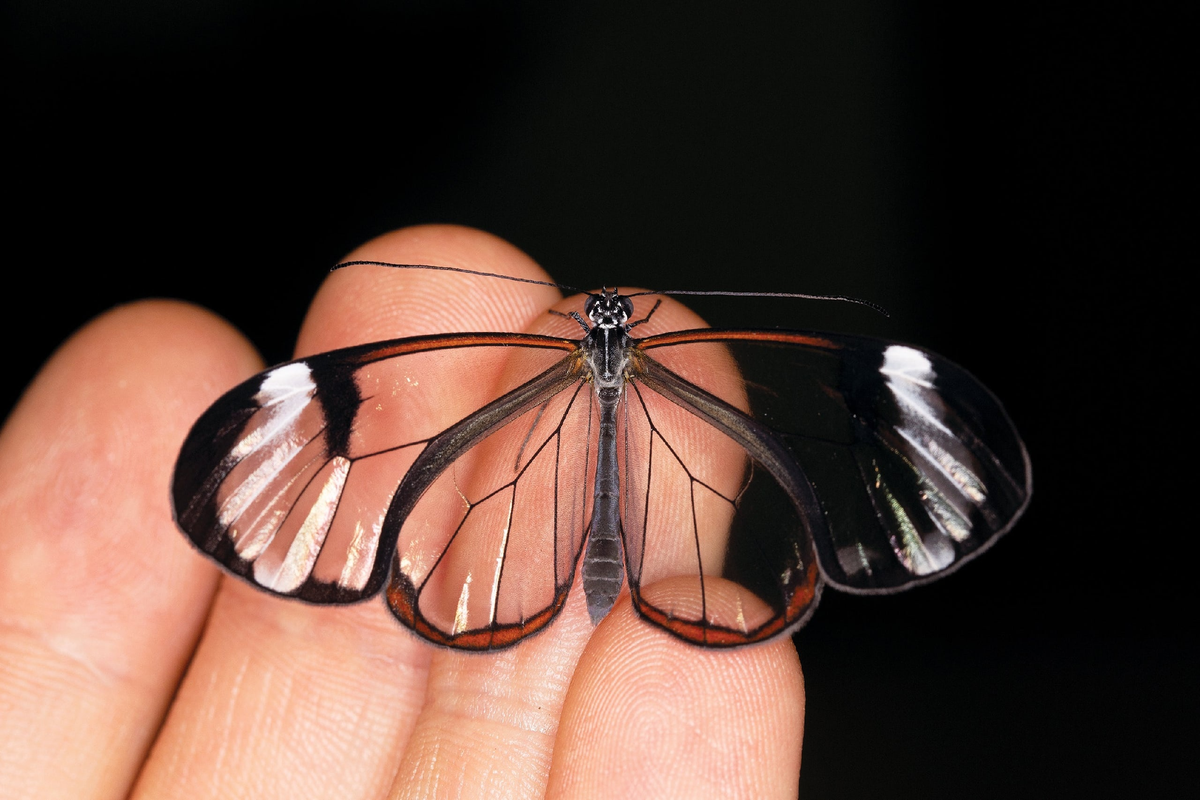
x=129, y=666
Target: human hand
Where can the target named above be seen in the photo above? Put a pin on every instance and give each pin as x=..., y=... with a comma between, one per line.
x=128, y=665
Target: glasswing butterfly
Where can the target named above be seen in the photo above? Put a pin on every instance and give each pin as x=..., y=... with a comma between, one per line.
x=723, y=476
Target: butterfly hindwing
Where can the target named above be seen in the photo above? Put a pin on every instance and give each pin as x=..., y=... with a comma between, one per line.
x=719, y=524
x=490, y=521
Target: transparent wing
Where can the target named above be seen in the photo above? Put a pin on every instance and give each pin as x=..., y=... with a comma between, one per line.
x=287, y=480
x=913, y=465
x=718, y=524
x=490, y=521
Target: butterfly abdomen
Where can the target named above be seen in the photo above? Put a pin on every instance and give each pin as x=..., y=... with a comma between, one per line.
x=603, y=572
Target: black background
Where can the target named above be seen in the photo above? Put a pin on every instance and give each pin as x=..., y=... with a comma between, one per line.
x=995, y=177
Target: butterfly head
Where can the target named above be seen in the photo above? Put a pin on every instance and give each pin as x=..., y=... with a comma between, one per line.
x=608, y=309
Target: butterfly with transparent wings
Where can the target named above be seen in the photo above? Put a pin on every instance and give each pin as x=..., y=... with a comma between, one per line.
x=723, y=476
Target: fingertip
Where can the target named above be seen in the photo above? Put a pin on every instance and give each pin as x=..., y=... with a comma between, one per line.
x=147, y=367
x=100, y=426
x=650, y=715
x=370, y=303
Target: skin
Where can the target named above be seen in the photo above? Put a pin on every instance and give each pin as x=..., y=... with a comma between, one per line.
x=129, y=666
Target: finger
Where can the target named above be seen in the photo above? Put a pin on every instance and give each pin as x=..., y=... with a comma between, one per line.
x=101, y=601
x=650, y=716
x=493, y=720
x=490, y=720
x=283, y=694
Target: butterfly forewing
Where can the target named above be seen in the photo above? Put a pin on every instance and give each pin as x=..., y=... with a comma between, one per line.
x=286, y=480
x=915, y=465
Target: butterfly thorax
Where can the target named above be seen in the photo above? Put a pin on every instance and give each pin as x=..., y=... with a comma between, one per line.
x=606, y=345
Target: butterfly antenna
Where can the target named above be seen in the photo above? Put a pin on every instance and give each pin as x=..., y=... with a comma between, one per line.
x=452, y=269
x=794, y=295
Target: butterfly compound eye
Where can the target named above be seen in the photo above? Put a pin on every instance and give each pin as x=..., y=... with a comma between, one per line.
x=626, y=307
